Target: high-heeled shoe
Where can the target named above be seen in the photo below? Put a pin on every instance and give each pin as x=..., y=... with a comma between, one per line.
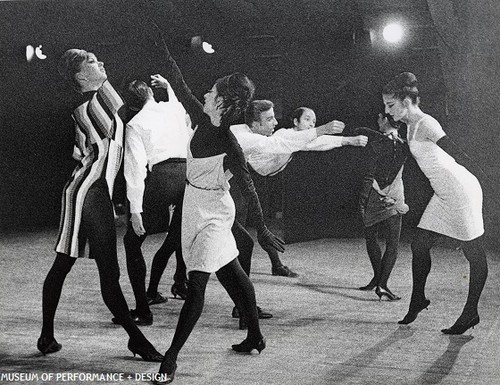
x=460, y=328
x=413, y=312
x=386, y=293
x=372, y=285
x=246, y=346
x=48, y=345
x=179, y=289
x=149, y=354
x=166, y=373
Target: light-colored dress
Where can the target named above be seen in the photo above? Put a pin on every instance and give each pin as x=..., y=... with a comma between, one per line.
x=455, y=209
x=207, y=215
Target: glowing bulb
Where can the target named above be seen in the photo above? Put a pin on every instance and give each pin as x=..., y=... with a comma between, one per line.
x=207, y=47
x=30, y=51
x=39, y=54
x=393, y=33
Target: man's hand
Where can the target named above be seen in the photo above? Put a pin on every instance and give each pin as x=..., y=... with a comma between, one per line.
x=268, y=240
x=333, y=127
x=158, y=81
x=137, y=225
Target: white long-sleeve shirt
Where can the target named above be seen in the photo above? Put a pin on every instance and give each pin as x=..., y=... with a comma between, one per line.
x=269, y=155
x=158, y=132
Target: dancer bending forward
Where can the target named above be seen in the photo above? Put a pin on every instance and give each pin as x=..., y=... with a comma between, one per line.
x=455, y=209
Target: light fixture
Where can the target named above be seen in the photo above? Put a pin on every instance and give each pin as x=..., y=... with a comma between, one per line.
x=393, y=32
x=198, y=44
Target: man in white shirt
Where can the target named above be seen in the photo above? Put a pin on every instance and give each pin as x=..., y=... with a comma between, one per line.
x=268, y=153
x=156, y=144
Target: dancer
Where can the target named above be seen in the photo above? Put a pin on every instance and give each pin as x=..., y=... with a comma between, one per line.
x=269, y=152
x=156, y=141
x=382, y=202
x=208, y=210
x=87, y=210
x=455, y=209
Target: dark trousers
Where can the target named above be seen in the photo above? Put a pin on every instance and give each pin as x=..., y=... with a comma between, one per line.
x=164, y=187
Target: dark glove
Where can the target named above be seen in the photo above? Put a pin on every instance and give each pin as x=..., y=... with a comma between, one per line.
x=268, y=240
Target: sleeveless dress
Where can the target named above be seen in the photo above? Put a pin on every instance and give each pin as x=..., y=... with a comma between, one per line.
x=455, y=209
x=208, y=215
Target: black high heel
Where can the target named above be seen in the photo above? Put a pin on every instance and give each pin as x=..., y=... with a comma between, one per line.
x=460, y=328
x=147, y=354
x=413, y=312
x=386, y=293
x=163, y=376
x=48, y=345
x=247, y=346
x=372, y=285
x=179, y=289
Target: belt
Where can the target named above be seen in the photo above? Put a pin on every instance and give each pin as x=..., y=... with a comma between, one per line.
x=175, y=160
x=169, y=160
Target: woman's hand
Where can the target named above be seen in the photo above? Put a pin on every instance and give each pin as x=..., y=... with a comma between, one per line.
x=158, y=81
x=268, y=240
x=330, y=128
x=137, y=225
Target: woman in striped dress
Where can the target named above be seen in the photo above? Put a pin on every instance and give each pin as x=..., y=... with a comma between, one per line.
x=87, y=210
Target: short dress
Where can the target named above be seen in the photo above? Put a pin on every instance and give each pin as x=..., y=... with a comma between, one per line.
x=455, y=209
x=383, y=177
x=207, y=216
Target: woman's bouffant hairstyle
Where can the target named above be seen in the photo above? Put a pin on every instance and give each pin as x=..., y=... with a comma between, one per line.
x=70, y=64
x=236, y=91
x=255, y=110
x=136, y=94
x=297, y=114
x=402, y=86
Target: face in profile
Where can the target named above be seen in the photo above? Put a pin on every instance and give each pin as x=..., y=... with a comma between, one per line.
x=92, y=70
x=211, y=101
x=265, y=126
x=306, y=121
x=395, y=107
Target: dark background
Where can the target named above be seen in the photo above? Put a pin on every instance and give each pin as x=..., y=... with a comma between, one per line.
x=326, y=55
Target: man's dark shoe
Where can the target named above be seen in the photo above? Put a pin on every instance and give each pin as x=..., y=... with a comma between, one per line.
x=139, y=319
x=283, y=271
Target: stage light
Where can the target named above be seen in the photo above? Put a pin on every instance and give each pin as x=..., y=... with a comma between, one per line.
x=30, y=52
x=207, y=47
x=39, y=54
x=393, y=33
x=198, y=44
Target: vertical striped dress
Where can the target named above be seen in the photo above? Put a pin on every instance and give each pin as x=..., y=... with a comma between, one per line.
x=99, y=151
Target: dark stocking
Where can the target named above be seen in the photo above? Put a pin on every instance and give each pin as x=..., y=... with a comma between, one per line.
x=421, y=263
x=241, y=290
x=190, y=313
x=52, y=288
x=136, y=268
x=475, y=254
x=393, y=231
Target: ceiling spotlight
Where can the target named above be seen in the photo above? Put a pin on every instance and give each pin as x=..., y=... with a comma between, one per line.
x=199, y=45
x=207, y=47
x=393, y=33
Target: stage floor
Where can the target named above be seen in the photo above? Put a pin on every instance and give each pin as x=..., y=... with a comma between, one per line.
x=324, y=330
